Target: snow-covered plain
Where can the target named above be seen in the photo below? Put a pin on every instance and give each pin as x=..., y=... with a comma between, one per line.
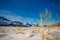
x=11, y=33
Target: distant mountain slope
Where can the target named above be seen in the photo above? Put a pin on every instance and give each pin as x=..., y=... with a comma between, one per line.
x=7, y=22
x=56, y=24
x=3, y=19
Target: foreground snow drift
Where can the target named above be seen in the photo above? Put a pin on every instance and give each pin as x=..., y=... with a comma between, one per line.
x=10, y=33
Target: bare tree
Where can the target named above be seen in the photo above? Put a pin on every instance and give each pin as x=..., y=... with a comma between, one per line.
x=46, y=16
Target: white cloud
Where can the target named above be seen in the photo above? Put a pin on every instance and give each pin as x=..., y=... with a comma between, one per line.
x=3, y=13
x=12, y=16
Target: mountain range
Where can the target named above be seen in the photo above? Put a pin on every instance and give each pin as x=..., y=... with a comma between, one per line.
x=7, y=22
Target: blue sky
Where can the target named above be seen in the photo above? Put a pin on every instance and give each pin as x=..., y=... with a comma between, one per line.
x=28, y=10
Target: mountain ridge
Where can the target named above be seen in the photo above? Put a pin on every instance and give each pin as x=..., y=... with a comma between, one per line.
x=6, y=22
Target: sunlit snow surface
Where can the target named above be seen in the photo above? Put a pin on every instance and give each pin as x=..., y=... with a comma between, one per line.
x=10, y=33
